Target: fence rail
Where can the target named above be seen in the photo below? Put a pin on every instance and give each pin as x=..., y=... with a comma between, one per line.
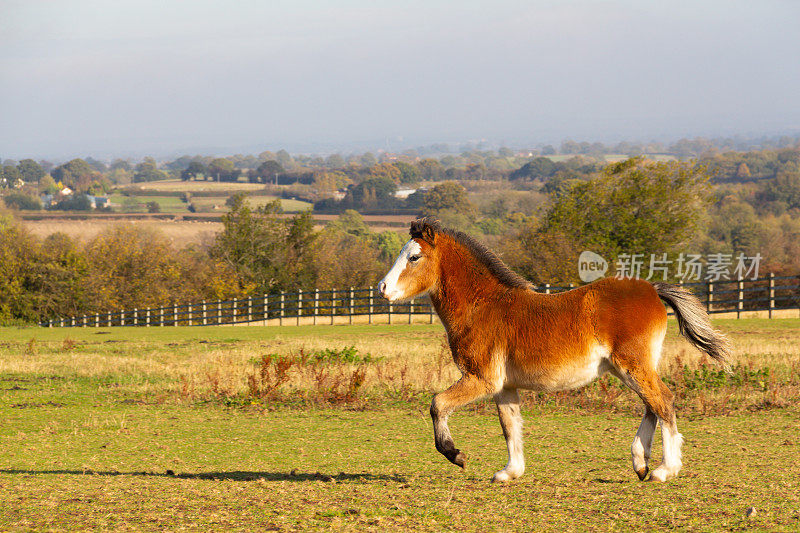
x=769, y=294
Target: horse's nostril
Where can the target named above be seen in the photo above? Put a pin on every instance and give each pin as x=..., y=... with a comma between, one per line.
x=382, y=287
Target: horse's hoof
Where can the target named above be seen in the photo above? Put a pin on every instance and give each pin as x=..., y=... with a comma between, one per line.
x=642, y=473
x=501, y=477
x=662, y=474
x=460, y=460
x=457, y=458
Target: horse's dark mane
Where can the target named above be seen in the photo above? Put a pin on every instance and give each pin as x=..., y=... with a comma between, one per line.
x=482, y=254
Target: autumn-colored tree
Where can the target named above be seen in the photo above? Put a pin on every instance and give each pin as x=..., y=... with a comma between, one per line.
x=372, y=192
x=267, y=171
x=448, y=196
x=386, y=170
x=267, y=252
x=330, y=181
x=348, y=254
x=742, y=171
x=30, y=170
x=541, y=256
x=130, y=266
x=39, y=279
x=148, y=170
x=633, y=206
x=222, y=169
x=430, y=169
x=76, y=174
x=409, y=173
x=193, y=171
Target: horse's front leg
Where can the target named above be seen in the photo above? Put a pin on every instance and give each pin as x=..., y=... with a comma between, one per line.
x=507, y=401
x=463, y=391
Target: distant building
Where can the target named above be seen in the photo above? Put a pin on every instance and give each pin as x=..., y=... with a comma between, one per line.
x=402, y=194
x=49, y=200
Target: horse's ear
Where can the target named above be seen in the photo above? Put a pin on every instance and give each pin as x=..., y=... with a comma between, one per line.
x=429, y=235
x=425, y=229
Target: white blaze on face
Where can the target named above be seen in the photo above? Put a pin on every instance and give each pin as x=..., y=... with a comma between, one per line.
x=391, y=290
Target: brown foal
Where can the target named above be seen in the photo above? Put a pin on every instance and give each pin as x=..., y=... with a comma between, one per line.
x=504, y=337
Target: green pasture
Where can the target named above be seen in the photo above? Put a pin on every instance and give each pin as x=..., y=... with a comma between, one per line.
x=101, y=432
x=203, y=204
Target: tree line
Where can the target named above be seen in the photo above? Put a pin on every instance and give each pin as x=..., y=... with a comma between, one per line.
x=634, y=206
x=258, y=251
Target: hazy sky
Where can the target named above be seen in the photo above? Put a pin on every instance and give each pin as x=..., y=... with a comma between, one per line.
x=120, y=77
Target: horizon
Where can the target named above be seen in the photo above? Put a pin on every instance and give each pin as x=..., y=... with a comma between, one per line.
x=132, y=79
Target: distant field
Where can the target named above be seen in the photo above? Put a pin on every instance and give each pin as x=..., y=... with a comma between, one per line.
x=134, y=204
x=612, y=157
x=153, y=428
x=207, y=203
x=204, y=204
x=191, y=186
x=184, y=232
x=180, y=232
x=653, y=157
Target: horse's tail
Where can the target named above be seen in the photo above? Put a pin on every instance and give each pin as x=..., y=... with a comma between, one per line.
x=694, y=323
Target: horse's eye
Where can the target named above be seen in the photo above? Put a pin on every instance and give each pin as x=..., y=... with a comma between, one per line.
x=414, y=258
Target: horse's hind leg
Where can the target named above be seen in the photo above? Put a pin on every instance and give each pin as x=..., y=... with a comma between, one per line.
x=463, y=391
x=507, y=401
x=658, y=402
x=672, y=440
x=643, y=442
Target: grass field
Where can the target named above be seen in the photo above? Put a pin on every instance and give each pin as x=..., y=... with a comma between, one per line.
x=193, y=186
x=203, y=204
x=175, y=428
x=180, y=232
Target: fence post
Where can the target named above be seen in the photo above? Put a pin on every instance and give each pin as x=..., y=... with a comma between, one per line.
x=316, y=305
x=191, y=314
x=135, y=316
x=109, y=319
x=410, y=310
x=219, y=312
x=547, y=288
x=161, y=317
x=122, y=317
x=235, y=305
x=430, y=310
x=333, y=305
x=204, y=313
x=299, y=304
x=73, y=321
x=709, y=297
x=148, y=318
x=351, y=305
x=370, y=304
x=280, y=320
x=771, y=293
x=97, y=320
x=740, y=294
x=390, y=312
x=175, y=315
x=266, y=308
x=249, y=308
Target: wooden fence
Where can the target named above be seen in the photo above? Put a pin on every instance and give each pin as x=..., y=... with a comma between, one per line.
x=365, y=305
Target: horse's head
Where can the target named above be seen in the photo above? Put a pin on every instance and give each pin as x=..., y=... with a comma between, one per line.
x=416, y=269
